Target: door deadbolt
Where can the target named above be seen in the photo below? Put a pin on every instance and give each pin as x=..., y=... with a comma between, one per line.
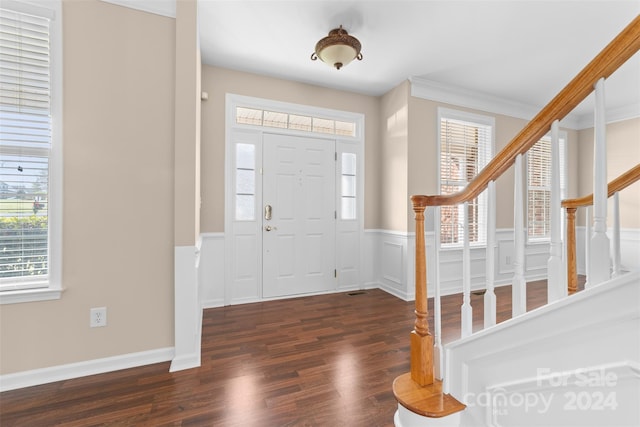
x=267, y=212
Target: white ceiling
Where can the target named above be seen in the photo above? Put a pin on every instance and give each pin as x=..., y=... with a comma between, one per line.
x=521, y=51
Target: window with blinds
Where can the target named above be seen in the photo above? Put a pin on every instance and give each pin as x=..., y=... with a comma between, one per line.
x=539, y=187
x=25, y=147
x=465, y=148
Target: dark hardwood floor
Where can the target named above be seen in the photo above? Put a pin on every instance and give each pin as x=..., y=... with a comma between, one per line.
x=324, y=360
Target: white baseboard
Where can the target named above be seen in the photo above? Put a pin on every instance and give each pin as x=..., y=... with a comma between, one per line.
x=396, y=292
x=82, y=369
x=212, y=303
x=185, y=361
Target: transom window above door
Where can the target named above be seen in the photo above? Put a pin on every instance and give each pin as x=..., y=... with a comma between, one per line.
x=275, y=119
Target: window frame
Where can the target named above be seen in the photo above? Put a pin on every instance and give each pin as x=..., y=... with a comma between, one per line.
x=563, y=141
x=481, y=121
x=52, y=287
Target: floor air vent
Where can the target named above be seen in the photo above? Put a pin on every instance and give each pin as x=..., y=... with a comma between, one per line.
x=354, y=293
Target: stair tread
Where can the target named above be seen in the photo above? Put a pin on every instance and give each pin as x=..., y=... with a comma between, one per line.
x=428, y=400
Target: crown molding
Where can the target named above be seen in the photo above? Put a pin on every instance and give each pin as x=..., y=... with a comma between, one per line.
x=627, y=112
x=450, y=94
x=159, y=7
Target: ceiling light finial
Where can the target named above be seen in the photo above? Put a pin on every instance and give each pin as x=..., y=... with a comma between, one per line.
x=337, y=49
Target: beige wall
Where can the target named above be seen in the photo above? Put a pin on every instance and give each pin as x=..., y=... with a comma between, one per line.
x=217, y=82
x=623, y=152
x=187, y=125
x=394, y=154
x=118, y=195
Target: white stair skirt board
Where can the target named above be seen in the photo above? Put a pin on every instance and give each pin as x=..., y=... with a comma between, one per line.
x=591, y=396
x=405, y=418
x=83, y=369
x=595, y=331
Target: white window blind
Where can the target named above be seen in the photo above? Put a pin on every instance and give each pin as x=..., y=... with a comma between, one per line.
x=539, y=187
x=465, y=148
x=25, y=145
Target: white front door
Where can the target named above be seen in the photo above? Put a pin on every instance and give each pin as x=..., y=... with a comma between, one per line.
x=298, y=215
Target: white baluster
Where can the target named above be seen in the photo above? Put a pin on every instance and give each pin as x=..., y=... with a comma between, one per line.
x=556, y=285
x=587, y=247
x=519, y=286
x=599, y=241
x=615, y=238
x=466, y=310
x=490, y=295
x=437, y=311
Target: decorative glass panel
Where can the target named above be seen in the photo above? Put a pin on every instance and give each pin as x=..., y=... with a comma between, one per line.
x=323, y=125
x=275, y=120
x=348, y=208
x=245, y=208
x=345, y=128
x=249, y=116
x=245, y=182
x=300, y=122
x=348, y=186
x=245, y=156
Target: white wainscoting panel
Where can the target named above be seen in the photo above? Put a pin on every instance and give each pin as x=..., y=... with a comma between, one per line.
x=391, y=261
x=371, y=256
x=348, y=260
x=536, y=256
x=211, y=271
x=629, y=248
x=188, y=312
x=392, y=249
x=451, y=270
x=388, y=260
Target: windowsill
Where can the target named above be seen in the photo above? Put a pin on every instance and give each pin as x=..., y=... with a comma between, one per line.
x=29, y=295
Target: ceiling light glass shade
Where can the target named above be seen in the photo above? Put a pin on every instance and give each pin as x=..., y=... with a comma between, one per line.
x=337, y=49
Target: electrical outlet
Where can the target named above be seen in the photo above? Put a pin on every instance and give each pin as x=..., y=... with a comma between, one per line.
x=98, y=317
x=508, y=260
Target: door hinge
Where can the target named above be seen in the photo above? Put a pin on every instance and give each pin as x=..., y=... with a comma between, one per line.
x=335, y=214
x=336, y=156
x=335, y=273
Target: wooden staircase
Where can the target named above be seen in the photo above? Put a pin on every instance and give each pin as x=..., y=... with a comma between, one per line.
x=421, y=390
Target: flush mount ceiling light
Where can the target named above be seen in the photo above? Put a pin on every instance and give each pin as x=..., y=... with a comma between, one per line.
x=338, y=48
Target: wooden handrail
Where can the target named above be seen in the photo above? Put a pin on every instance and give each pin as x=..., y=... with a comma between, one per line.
x=616, y=53
x=618, y=184
x=571, y=205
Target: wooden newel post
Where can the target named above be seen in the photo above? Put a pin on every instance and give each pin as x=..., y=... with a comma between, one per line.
x=421, y=339
x=572, y=272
